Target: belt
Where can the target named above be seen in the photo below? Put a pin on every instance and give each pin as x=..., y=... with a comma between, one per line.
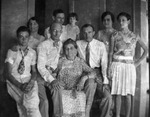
x=123, y=61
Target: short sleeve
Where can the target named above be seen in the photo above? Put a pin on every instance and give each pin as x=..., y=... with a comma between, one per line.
x=10, y=56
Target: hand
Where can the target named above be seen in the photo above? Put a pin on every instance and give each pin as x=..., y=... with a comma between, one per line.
x=106, y=87
x=109, y=73
x=29, y=86
x=23, y=87
x=80, y=85
x=55, y=84
x=136, y=63
x=74, y=93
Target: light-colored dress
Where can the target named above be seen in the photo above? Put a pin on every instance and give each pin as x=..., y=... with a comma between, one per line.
x=72, y=32
x=105, y=37
x=69, y=74
x=27, y=103
x=123, y=69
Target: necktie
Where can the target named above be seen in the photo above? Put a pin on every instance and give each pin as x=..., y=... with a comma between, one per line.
x=21, y=66
x=87, y=57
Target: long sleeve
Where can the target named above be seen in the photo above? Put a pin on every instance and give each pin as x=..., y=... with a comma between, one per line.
x=41, y=63
x=104, y=61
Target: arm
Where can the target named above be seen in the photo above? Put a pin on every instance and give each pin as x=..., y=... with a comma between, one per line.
x=97, y=35
x=41, y=63
x=10, y=77
x=90, y=75
x=143, y=46
x=104, y=63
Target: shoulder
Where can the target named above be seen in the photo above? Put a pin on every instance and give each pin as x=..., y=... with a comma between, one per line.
x=79, y=42
x=32, y=51
x=45, y=43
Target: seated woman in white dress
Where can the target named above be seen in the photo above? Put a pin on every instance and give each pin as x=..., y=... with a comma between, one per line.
x=72, y=74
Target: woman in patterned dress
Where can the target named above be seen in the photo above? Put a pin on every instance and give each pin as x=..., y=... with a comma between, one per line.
x=123, y=64
x=73, y=73
x=105, y=34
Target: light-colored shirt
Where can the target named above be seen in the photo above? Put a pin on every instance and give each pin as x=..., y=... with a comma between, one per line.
x=72, y=31
x=63, y=36
x=48, y=56
x=98, y=55
x=14, y=58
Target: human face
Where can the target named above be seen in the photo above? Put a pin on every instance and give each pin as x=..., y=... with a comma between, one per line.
x=88, y=33
x=23, y=38
x=33, y=26
x=56, y=31
x=72, y=20
x=70, y=51
x=107, y=21
x=60, y=18
x=124, y=22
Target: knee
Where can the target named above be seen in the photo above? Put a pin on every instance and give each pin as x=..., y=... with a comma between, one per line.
x=90, y=82
x=44, y=102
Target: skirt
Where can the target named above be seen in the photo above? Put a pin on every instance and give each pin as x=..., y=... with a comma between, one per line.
x=123, y=74
x=73, y=107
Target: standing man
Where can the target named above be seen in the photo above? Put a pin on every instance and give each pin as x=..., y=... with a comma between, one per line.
x=95, y=55
x=48, y=56
x=58, y=17
x=21, y=80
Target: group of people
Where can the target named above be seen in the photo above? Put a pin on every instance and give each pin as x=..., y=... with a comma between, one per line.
x=71, y=67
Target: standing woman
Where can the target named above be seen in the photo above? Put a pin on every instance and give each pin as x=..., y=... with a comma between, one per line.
x=35, y=37
x=105, y=34
x=123, y=64
x=34, y=40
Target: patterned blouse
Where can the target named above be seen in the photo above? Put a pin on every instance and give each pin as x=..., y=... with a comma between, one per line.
x=125, y=43
x=70, y=71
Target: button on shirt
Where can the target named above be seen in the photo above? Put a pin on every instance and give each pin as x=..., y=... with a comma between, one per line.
x=98, y=55
x=14, y=58
x=48, y=56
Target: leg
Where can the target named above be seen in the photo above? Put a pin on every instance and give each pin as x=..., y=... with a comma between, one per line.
x=118, y=105
x=89, y=89
x=57, y=102
x=106, y=101
x=128, y=105
x=44, y=105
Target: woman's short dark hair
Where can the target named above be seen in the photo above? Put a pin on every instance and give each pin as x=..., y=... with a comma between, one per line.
x=73, y=15
x=69, y=41
x=32, y=18
x=22, y=29
x=87, y=25
x=124, y=14
x=108, y=13
x=57, y=11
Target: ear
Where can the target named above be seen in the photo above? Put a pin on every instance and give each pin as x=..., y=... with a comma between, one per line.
x=129, y=22
x=93, y=33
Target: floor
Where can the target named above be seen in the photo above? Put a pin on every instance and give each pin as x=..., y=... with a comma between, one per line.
x=8, y=105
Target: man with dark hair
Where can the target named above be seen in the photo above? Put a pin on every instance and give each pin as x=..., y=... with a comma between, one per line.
x=21, y=80
x=58, y=17
x=95, y=55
